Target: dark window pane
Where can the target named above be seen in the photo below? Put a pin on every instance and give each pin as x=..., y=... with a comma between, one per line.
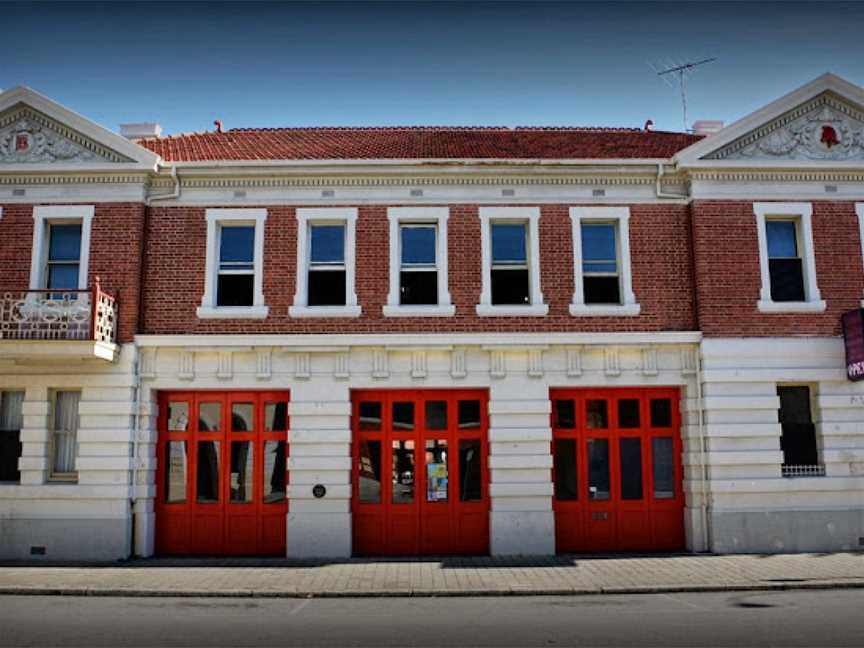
x=403, y=416
x=328, y=244
x=436, y=415
x=601, y=290
x=565, y=414
x=798, y=438
x=437, y=474
x=242, y=417
x=11, y=419
x=178, y=416
x=276, y=417
x=370, y=472
x=628, y=413
x=469, y=414
x=237, y=247
x=630, y=450
x=235, y=290
x=326, y=288
x=597, y=414
x=418, y=288
x=664, y=468
x=418, y=245
x=63, y=276
x=370, y=416
x=241, y=472
x=274, y=472
x=787, y=279
x=598, y=243
x=598, y=469
x=65, y=243
x=510, y=287
x=610, y=267
x=209, y=417
x=208, y=472
x=782, y=238
x=661, y=412
x=470, y=486
x=403, y=472
x=566, y=484
x=175, y=472
x=508, y=243
x=794, y=404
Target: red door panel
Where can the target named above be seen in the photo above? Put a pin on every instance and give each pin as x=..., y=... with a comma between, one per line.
x=420, y=482
x=221, y=473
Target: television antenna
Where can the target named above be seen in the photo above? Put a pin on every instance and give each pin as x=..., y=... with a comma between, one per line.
x=674, y=74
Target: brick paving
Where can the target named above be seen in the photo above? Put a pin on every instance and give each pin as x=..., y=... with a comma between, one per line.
x=456, y=576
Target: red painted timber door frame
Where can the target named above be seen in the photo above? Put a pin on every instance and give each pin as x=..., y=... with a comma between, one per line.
x=441, y=518
x=632, y=513
x=232, y=515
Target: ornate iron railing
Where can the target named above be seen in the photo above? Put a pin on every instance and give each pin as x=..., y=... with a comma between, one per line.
x=88, y=314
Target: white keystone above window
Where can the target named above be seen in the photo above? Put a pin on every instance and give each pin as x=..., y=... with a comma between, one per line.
x=787, y=262
x=326, y=263
x=602, y=274
x=418, y=263
x=234, y=270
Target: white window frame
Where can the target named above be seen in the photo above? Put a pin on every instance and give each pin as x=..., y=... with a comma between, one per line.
x=307, y=216
x=232, y=217
x=45, y=215
x=620, y=217
x=859, y=211
x=801, y=213
x=438, y=217
x=531, y=217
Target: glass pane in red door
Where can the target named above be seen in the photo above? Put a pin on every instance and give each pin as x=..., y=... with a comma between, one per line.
x=208, y=472
x=598, y=469
x=175, y=472
x=241, y=417
x=403, y=417
x=275, y=417
x=210, y=417
x=178, y=416
x=436, y=415
x=370, y=416
x=436, y=470
x=470, y=485
x=566, y=486
x=274, y=472
x=597, y=415
x=241, y=472
x=469, y=414
x=630, y=450
x=370, y=472
x=628, y=413
x=403, y=472
x=664, y=467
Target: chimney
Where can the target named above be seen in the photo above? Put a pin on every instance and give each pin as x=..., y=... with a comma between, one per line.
x=140, y=131
x=707, y=127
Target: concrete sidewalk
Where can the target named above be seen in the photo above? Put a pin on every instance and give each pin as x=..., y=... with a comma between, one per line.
x=456, y=576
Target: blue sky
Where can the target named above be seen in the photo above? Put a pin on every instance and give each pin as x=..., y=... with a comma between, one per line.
x=448, y=63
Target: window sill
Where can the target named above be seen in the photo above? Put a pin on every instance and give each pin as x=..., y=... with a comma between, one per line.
x=534, y=310
x=791, y=307
x=232, y=312
x=605, y=310
x=391, y=310
x=325, y=311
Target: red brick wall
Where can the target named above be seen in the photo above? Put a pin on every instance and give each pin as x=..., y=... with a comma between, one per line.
x=175, y=259
x=115, y=254
x=726, y=253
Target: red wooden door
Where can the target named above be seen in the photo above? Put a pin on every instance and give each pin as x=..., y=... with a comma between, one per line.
x=221, y=473
x=617, y=470
x=420, y=483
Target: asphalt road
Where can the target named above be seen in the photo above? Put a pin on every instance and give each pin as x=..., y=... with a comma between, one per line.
x=803, y=618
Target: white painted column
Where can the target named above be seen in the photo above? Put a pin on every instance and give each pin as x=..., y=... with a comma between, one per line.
x=520, y=462
x=319, y=442
x=144, y=515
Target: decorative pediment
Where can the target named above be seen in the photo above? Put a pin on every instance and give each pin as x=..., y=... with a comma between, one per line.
x=28, y=136
x=826, y=128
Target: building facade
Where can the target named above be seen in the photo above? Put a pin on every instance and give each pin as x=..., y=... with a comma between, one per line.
x=402, y=341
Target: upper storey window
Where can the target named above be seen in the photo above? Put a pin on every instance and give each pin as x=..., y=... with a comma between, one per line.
x=234, y=267
x=325, y=263
x=786, y=258
x=61, y=247
x=63, y=266
x=602, y=276
x=418, y=263
x=511, y=262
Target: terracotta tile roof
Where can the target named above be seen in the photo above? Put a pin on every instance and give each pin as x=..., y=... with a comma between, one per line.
x=418, y=142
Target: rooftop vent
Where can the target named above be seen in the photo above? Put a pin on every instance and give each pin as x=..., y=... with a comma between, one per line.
x=137, y=131
x=707, y=126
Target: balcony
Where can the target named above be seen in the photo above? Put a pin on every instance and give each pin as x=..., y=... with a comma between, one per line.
x=52, y=325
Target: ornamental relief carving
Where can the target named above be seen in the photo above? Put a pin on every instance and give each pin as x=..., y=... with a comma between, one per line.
x=827, y=132
x=26, y=140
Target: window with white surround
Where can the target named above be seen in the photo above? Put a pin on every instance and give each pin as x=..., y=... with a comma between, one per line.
x=786, y=258
x=234, y=271
x=798, y=440
x=859, y=210
x=602, y=275
x=418, y=263
x=61, y=247
x=325, y=263
x=64, y=436
x=509, y=240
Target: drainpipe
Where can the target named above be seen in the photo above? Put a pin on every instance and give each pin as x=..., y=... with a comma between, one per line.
x=174, y=194
x=659, y=188
x=136, y=419
x=700, y=426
